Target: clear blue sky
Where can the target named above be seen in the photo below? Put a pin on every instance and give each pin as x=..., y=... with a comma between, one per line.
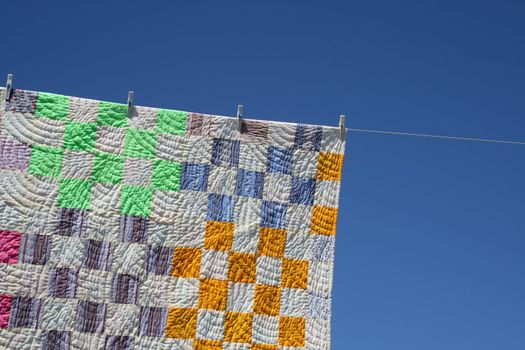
x=431, y=236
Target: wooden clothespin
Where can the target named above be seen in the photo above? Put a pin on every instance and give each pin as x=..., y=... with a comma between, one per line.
x=342, y=128
x=8, y=86
x=131, y=96
x=239, y=117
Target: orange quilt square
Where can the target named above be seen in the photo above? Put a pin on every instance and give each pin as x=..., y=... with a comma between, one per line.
x=295, y=274
x=324, y=220
x=182, y=323
x=238, y=327
x=272, y=242
x=213, y=294
x=329, y=166
x=242, y=267
x=267, y=300
x=291, y=331
x=264, y=347
x=219, y=235
x=186, y=262
x=204, y=344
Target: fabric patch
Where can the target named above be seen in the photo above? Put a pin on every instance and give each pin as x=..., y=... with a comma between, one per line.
x=166, y=175
x=152, y=322
x=136, y=200
x=14, y=155
x=74, y=193
x=58, y=340
x=5, y=309
x=107, y=168
x=280, y=160
x=98, y=255
x=158, y=260
x=9, y=246
x=90, y=317
x=171, y=122
x=25, y=312
x=34, y=249
x=303, y=190
x=220, y=208
x=80, y=136
x=72, y=222
x=249, y=183
x=225, y=152
x=140, y=144
x=273, y=215
x=46, y=161
x=63, y=282
x=22, y=101
x=112, y=114
x=194, y=177
x=52, y=106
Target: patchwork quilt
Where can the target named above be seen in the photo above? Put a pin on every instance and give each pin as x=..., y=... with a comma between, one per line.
x=163, y=229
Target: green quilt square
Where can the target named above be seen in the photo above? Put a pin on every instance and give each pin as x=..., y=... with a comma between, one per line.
x=171, y=122
x=107, y=168
x=46, y=161
x=136, y=200
x=80, y=136
x=112, y=114
x=74, y=193
x=140, y=144
x=52, y=106
x=166, y=175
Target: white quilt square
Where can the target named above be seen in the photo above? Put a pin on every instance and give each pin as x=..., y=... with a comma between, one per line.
x=122, y=319
x=210, y=324
x=265, y=329
x=183, y=292
x=269, y=270
x=59, y=314
x=241, y=297
x=214, y=264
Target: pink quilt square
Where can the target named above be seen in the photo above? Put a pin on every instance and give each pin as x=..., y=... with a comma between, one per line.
x=9, y=245
x=5, y=309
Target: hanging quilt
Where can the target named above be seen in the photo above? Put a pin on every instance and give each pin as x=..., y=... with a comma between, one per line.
x=163, y=229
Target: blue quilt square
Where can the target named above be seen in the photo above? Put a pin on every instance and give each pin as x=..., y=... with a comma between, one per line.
x=303, y=190
x=225, y=152
x=194, y=177
x=319, y=306
x=308, y=137
x=323, y=248
x=273, y=215
x=220, y=208
x=280, y=160
x=249, y=183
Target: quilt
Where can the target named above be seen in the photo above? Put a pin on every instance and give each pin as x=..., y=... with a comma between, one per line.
x=149, y=228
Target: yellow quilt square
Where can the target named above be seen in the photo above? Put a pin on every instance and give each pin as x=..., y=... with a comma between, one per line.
x=186, y=262
x=204, y=344
x=291, y=331
x=272, y=242
x=295, y=274
x=324, y=220
x=219, y=235
x=242, y=267
x=238, y=327
x=182, y=323
x=267, y=300
x=264, y=347
x=329, y=166
x=213, y=294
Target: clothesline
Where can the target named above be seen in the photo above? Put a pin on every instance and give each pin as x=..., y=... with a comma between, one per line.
x=372, y=131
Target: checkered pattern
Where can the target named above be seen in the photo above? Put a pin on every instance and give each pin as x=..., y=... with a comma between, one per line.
x=162, y=229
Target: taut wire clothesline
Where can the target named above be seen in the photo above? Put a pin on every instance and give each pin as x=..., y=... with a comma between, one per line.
x=372, y=131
